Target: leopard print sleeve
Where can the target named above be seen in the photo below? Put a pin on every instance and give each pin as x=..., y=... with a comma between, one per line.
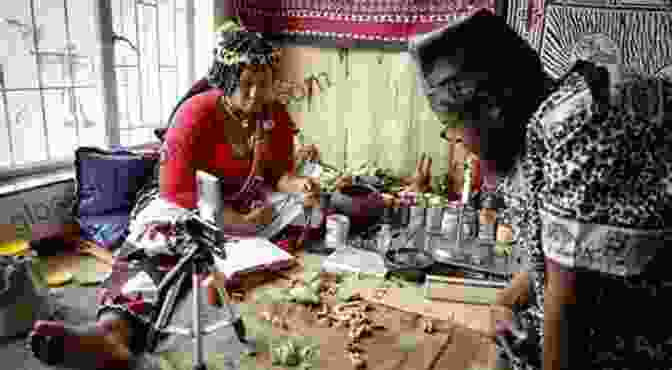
x=604, y=196
x=532, y=168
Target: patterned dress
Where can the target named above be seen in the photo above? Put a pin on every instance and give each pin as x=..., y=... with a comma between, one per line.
x=197, y=139
x=593, y=194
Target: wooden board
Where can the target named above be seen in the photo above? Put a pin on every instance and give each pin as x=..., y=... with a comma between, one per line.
x=476, y=317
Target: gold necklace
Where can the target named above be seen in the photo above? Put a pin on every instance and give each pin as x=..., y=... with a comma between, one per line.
x=240, y=150
x=228, y=105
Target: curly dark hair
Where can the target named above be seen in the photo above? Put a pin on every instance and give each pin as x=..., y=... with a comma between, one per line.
x=250, y=48
x=234, y=50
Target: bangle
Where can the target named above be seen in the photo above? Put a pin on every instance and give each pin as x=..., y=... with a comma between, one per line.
x=259, y=139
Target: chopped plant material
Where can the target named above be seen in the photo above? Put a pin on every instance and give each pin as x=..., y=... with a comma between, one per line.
x=324, y=322
x=274, y=295
x=311, y=276
x=290, y=353
x=316, y=286
x=358, y=363
x=380, y=293
x=308, y=353
x=503, y=249
x=304, y=295
x=279, y=322
x=428, y=326
x=294, y=283
x=408, y=343
x=353, y=348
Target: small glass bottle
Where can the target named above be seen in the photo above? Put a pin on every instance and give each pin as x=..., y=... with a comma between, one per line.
x=384, y=237
x=488, y=219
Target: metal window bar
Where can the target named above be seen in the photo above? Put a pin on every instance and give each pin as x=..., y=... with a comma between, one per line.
x=74, y=101
x=189, y=20
x=5, y=102
x=139, y=59
x=175, y=45
x=140, y=127
x=40, y=76
x=191, y=39
x=157, y=50
x=109, y=76
x=127, y=97
x=47, y=88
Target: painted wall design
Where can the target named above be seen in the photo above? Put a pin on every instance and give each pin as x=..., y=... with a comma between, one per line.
x=295, y=92
x=642, y=38
x=527, y=18
x=372, y=111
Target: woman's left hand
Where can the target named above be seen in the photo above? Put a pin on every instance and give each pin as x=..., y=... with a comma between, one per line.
x=311, y=188
x=308, y=152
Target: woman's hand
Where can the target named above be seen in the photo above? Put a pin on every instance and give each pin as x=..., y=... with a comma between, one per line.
x=516, y=293
x=501, y=317
x=343, y=182
x=310, y=187
x=308, y=152
x=421, y=182
x=260, y=215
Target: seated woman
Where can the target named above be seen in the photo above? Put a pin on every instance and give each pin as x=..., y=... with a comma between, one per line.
x=585, y=161
x=228, y=125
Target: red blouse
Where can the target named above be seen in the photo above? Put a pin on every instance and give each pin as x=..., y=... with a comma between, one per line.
x=197, y=141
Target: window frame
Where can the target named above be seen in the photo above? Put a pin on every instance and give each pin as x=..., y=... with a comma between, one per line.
x=106, y=62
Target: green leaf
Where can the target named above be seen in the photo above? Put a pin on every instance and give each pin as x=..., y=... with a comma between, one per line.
x=310, y=276
x=304, y=295
x=408, y=343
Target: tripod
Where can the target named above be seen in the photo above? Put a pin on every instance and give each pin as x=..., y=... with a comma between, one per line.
x=202, y=241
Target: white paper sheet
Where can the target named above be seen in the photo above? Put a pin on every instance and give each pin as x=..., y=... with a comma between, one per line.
x=251, y=254
x=311, y=169
x=287, y=207
x=349, y=259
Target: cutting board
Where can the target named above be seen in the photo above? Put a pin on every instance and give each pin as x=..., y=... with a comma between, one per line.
x=411, y=299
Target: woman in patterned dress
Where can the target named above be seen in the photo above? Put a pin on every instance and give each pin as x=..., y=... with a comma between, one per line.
x=217, y=129
x=585, y=163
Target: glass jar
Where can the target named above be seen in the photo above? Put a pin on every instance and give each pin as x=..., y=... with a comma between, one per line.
x=487, y=219
x=434, y=219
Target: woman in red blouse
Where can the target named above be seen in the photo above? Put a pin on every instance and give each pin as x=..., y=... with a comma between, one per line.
x=228, y=125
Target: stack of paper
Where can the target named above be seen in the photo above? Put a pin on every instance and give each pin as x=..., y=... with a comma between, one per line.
x=252, y=254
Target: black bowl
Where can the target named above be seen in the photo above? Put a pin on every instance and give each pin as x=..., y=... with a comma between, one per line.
x=408, y=263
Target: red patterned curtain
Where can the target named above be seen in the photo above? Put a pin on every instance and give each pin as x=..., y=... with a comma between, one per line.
x=348, y=23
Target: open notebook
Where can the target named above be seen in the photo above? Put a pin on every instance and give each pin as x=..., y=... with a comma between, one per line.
x=247, y=255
